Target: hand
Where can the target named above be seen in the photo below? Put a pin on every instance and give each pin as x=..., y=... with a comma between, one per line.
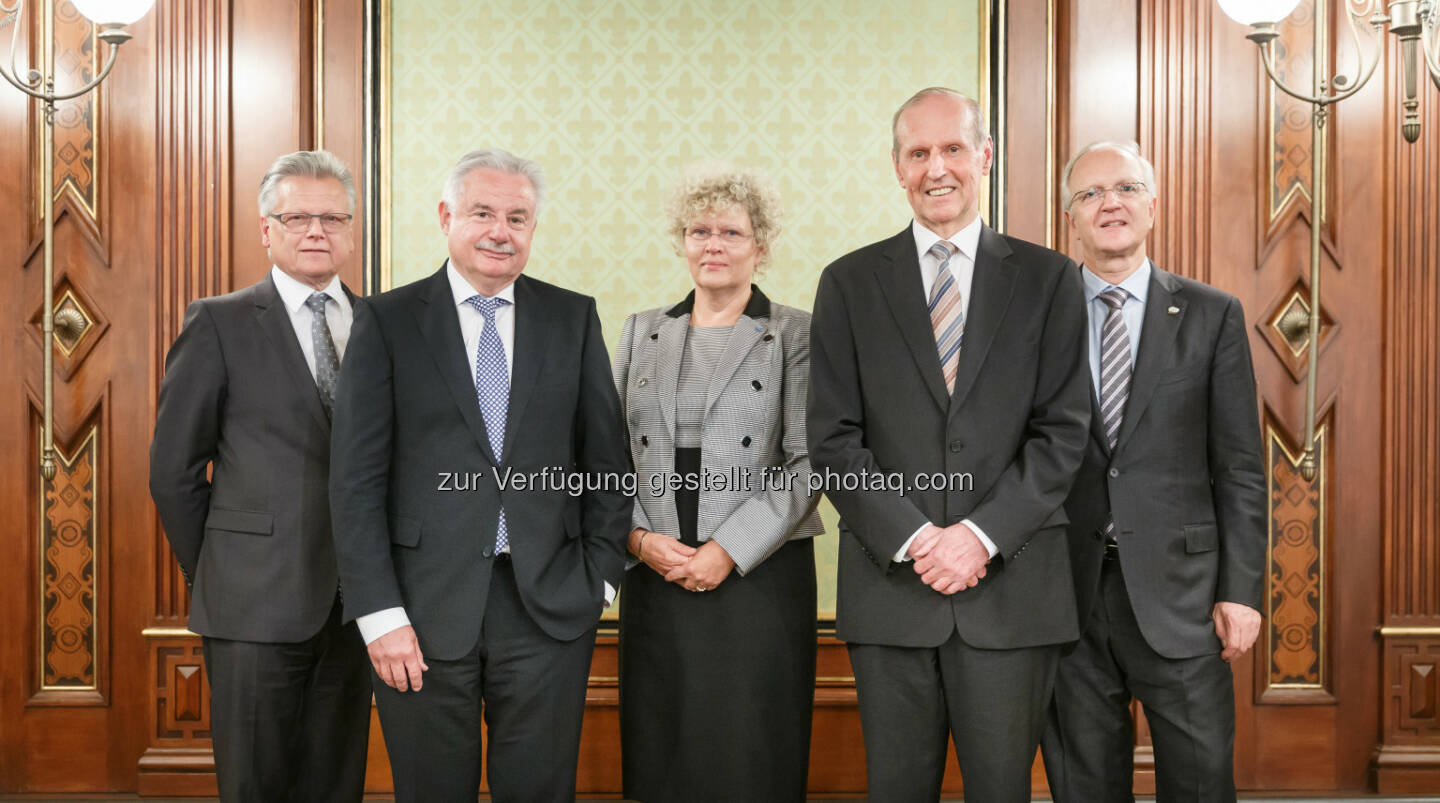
x=1237, y=626
x=397, y=659
x=949, y=560
x=705, y=570
x=659, y=552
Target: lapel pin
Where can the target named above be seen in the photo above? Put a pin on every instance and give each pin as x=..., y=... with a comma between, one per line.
x=1173, y=310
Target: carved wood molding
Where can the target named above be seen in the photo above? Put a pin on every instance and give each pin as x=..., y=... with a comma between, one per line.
x=192, y=98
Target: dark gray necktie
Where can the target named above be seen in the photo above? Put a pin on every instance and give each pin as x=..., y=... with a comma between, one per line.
x=1115, y=372
x=327, y=359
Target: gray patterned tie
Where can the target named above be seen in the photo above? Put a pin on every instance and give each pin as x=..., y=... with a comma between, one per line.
x=1115, y=372
x=492, y=389
x=327, y=359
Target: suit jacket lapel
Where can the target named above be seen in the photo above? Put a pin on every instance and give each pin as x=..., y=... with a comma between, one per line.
x=743, y=337
x=532, y=338
x=990, y=291
x=440, y=324
x=274, y=319
x=669, y=350
x=904, y=293
x=1157, y=336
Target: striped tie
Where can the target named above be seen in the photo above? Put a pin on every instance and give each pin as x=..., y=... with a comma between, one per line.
x=946, y=318
x=1114, y=376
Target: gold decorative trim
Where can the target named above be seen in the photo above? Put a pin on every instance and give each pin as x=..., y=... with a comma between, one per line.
x=317, y=69
x=993, y=104
x=91, y=674
x=1406, y=631
x=1051, y=201
x=1319, y=65
x=168, y=632
x=386, y=221
x=1275, y=440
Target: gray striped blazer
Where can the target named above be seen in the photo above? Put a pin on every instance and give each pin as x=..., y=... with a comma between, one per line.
x=754, y=425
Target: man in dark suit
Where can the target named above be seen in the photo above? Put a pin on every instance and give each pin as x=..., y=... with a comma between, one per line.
x=1167, y=516
x=247, y=395
x=947, y=361
x=477, y=582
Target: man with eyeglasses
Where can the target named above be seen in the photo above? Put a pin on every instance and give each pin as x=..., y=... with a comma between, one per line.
x=480, y=597
x=1167, y=515
x=239, y=471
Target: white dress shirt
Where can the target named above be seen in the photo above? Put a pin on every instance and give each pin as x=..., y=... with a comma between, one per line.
x=962, y=267
x=472, y=325
x=338, y=313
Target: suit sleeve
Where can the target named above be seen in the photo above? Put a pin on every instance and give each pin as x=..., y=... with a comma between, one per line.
x=757, y=528
x=1034, y=485
x=1236, y=467
x=835, y=420
x=601, y=451
x=187, y=432
x=623, y=358
x=361, y=444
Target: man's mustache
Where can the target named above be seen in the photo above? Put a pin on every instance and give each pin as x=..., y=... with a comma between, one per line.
x=492, y=245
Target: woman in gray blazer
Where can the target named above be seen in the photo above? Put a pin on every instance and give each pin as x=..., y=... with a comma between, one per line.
x=717, y=623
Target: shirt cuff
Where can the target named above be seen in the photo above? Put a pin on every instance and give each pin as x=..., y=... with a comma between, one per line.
x=374, y=625
x=609, y=593
x=902, y=556
x=984, y=539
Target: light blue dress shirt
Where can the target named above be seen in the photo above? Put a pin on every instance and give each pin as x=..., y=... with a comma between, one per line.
x=1137, y=285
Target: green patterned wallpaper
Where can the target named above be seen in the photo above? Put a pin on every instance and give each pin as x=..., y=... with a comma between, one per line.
x=614, y=98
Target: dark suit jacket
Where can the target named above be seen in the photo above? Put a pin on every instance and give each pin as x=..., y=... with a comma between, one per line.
x=406, y=413
x=1186, y=481
x=255, y=537
x=1017, y=423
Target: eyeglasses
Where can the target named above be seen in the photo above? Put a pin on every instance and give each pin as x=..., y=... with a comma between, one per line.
x=1124, y=191
x=701, y=234
x=299, y=222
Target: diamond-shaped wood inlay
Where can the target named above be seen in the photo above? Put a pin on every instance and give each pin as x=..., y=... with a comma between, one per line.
x=1285, y=327
x=86, y=325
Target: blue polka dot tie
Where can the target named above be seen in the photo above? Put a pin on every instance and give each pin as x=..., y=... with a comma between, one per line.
x=492, y=388
x=327, y=360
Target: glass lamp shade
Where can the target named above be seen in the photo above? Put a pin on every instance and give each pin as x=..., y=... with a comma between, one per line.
x=1254, y=12
x=113, y=12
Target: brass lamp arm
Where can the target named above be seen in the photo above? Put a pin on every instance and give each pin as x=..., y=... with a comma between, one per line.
x=1267, y=58
x=50, y=97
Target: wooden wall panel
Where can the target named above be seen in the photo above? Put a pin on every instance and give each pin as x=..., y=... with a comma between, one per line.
x=1408, y=760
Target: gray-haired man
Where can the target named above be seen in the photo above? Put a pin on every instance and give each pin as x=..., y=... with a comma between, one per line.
x=475, y=586
x=239, y=469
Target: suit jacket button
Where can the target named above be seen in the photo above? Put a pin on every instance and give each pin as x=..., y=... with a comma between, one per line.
x=640, y=383
x=768, y=338
x=488, y=552
x=755, y=383
x=1114, y=472
x=644, y=441
x=956, y=446
x=655, y=336
x=745, y=441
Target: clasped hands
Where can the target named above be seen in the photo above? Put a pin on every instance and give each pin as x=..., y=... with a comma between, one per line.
x=693, y=569
x=949, y=559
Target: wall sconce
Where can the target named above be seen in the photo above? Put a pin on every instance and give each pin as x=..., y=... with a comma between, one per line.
x=1417, y=24
x=110, y=18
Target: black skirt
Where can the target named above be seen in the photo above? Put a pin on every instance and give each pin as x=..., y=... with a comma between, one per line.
x=716, y=687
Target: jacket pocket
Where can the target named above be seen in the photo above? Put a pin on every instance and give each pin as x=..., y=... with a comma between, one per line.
x=1201, y=538
x=404, y=531
x=240, y=521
